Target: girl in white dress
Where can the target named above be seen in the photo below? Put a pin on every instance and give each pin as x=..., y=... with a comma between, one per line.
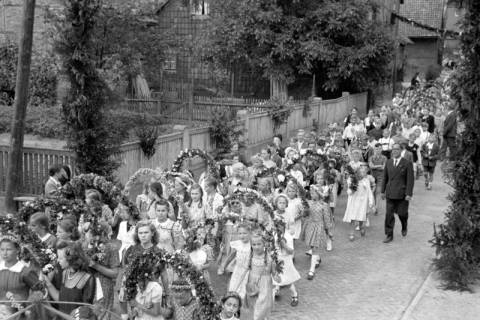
x=196, y=207
x=290, y=274
x=170, y=236
x=294, y=211
x=202, y=254
x=359, y=202
x=240, y=253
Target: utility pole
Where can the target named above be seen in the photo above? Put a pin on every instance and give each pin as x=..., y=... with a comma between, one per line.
x=395, y=61
x=14, y=169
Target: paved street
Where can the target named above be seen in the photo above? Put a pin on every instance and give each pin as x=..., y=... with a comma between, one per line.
x=367, y=279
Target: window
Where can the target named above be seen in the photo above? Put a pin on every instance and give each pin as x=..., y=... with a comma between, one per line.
x=199, y=7
x=170, y=63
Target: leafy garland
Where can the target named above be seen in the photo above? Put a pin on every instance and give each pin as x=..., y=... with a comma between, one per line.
x=142, y=266
x=282, y=177
x=33, y=249
x=352, y=178
x=213, y=169
x=279, y=112
x=112, y=195
x=55, y=208
x=154, y=173
x=268, y=235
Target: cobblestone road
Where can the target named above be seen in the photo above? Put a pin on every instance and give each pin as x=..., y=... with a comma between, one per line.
x=367, y=279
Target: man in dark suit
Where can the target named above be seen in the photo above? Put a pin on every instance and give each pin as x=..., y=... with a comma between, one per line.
x=449, y=133
x=397, y=188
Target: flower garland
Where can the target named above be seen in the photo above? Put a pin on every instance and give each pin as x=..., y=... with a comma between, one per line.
x=282, y=177
x=213, y=168
x=352, y=178
x=268, y=235
x=33, y=249
x=112, y=195
x=146, y=263
x=154, y=173
x=55, y=208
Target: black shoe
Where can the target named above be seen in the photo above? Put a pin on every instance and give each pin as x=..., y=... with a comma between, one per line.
x=294, y=302
x=404, y=232
x=388, y=239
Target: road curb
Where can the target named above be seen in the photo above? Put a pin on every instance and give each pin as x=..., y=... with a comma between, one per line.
x=417, y=297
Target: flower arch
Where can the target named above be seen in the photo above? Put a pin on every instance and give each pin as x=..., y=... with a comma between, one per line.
x=112, y=194
x=183, y=267
x=213, y=168
x=269, y=235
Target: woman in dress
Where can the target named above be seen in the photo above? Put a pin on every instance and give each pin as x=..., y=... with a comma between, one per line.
x=359, y=202
x=104, y=263
x=318, y=225
x=16, y=280
x=74, y=283
x=146, y=239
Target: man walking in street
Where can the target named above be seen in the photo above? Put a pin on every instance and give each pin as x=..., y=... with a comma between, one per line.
x=397, y=188
x=449, y=133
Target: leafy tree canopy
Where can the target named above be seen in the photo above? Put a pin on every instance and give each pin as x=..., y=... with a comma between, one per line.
x=333, y=39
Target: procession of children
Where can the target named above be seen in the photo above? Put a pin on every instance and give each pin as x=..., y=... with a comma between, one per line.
x=235, y=222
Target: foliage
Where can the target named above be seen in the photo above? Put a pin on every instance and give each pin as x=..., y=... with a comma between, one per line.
x=57, y=210
x=268, y=235
x=83, y=107
x=213, y=168
x=279, y=111
x=127, y=40
x=148, y=265
x=332, y=39
x=433, y=94
x=32, y=248
x=48, y=122
x=43, y=79
x=148, y=138
x=223, y=131
x=112, y=194
x=457, y=240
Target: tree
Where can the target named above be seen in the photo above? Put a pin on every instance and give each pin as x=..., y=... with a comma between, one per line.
x=457, y=240
x=333, y=39
x=128, y=43
x=83, y=107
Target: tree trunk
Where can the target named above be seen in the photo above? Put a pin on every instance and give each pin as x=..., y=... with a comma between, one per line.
x=14, y=169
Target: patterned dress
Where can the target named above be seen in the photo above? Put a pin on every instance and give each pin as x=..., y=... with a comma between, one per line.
x=318, y=221
x=111, y=261
x=259, y=289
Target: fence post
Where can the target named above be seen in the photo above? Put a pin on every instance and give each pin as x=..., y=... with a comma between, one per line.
x=242, y=123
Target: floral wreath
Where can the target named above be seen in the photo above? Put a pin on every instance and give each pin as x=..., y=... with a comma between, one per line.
x=136, y=272
x=282, y=177
x=56, y=209
x=112, y=195
x=32, y=248
x=213, y=168
x=268, y=235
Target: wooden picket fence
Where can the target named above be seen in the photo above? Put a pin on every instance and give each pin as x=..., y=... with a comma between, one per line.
x=256, y=122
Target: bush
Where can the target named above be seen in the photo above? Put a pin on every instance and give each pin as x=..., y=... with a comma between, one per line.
x=43, y=79
x=48, y=122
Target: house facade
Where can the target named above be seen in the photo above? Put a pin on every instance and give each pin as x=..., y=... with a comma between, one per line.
x=427, y=48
